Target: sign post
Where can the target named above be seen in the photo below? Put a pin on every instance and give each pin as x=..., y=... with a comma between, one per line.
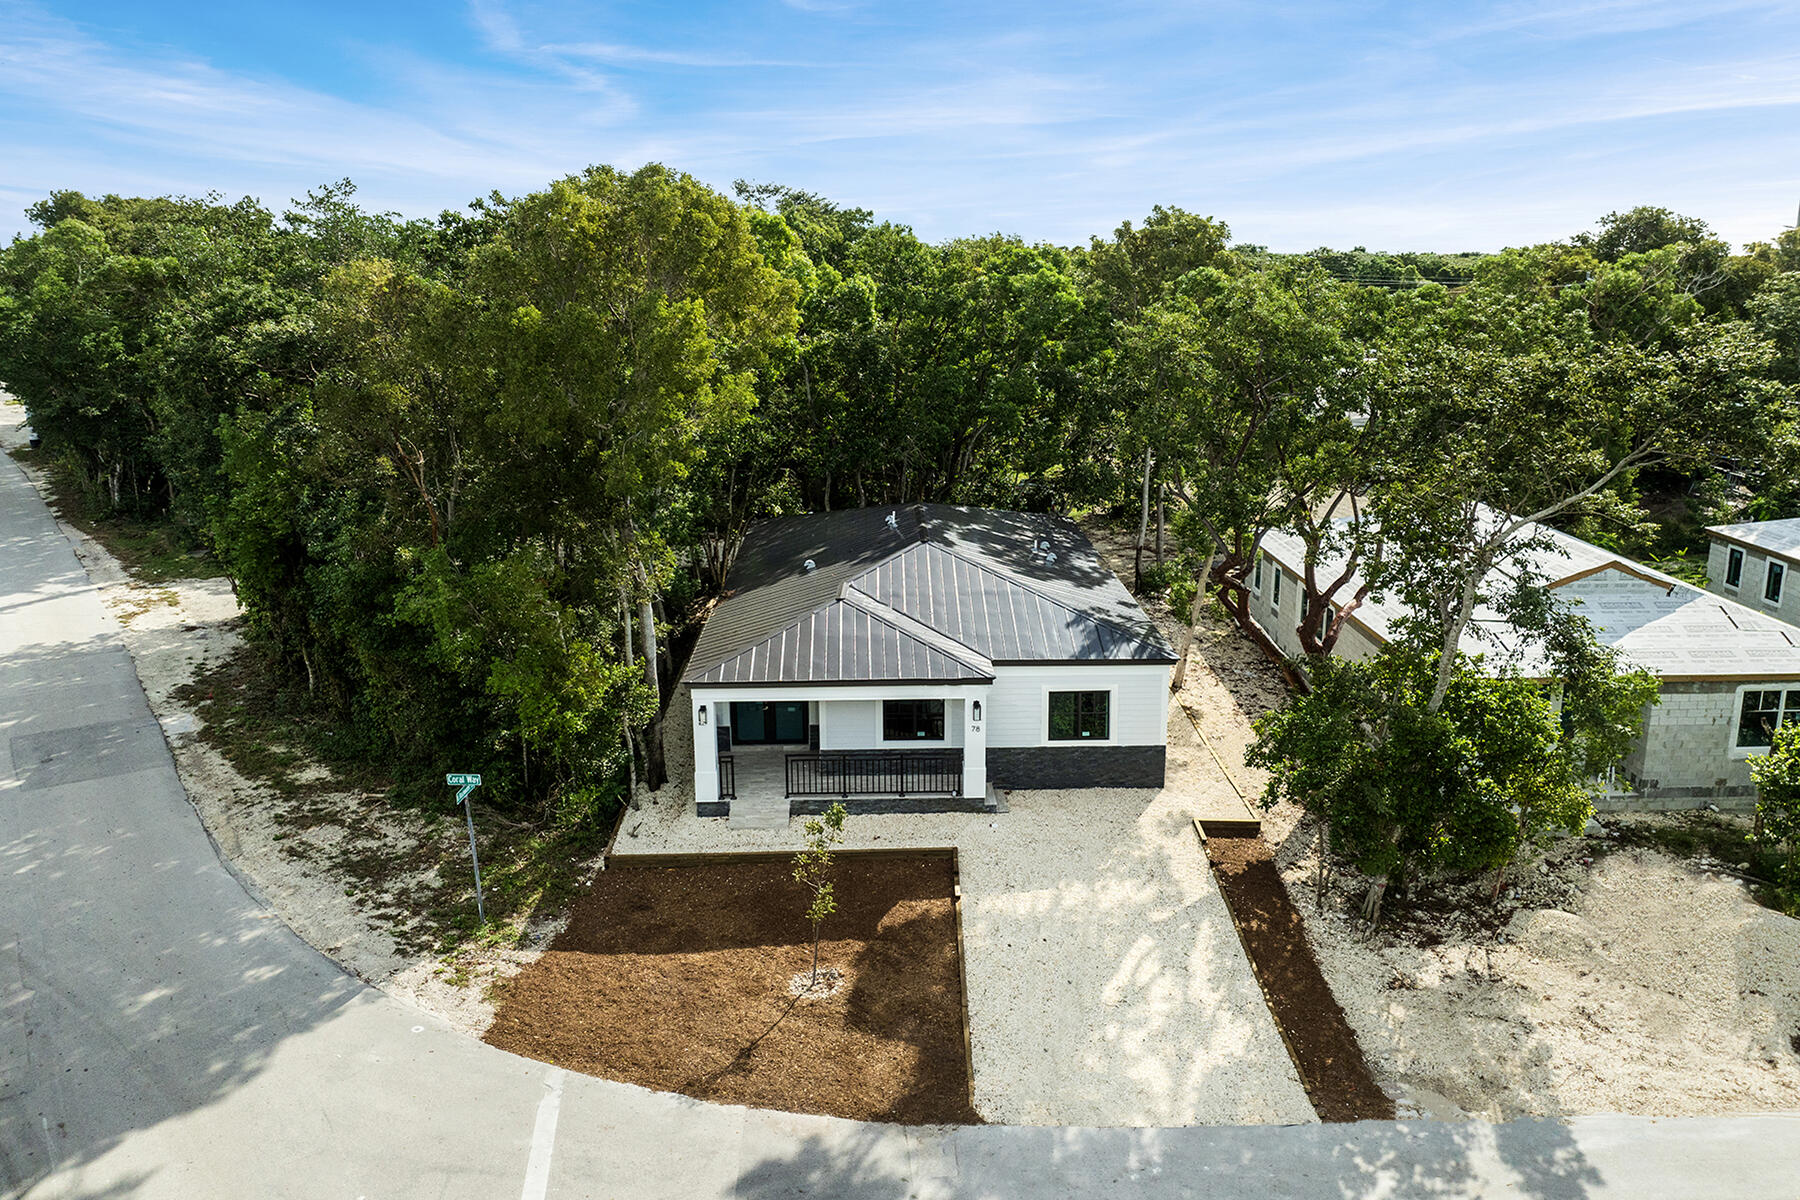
x=464, y=784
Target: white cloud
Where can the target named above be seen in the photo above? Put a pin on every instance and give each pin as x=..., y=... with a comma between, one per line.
x=1057, y=129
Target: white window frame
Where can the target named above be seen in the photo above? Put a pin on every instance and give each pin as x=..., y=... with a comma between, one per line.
x=1075, y=685
x=1774, y=576
x=1737, y=715
x=1734, y=557
x=1276, y=602
x=1256, y=576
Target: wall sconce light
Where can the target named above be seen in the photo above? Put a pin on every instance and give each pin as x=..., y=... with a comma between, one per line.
x=975, y=711
x=703, y=714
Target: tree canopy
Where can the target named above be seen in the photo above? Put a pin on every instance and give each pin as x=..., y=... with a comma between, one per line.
x=472, y=475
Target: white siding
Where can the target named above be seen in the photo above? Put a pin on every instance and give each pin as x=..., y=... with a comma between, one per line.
x=856, y=725
x=848, y=724
x=1017, y=704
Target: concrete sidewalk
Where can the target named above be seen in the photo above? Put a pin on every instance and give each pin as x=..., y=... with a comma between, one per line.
x=163, y=1034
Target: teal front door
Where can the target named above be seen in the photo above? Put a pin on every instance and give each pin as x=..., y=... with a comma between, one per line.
x=790, y=722
x=759, y=722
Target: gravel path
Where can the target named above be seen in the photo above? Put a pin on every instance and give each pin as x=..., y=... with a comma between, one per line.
x=1106, y=983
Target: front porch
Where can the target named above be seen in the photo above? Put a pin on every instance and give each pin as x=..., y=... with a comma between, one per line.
x=762, y=757
x=763, y=786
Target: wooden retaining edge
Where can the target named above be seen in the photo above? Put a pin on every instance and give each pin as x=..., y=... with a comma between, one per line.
x=1223, y=770
x=606, y=854
x=697, y=858
x=1256, y=974
x=962, y=971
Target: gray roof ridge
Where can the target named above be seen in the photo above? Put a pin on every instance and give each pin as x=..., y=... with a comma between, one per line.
x=914, y=628
x=1015, y=581
x=915, y=538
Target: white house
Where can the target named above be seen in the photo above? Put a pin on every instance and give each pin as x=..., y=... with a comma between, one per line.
x=1729, y=672
x=914, y=658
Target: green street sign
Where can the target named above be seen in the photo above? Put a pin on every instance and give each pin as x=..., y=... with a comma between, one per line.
x=464, y=784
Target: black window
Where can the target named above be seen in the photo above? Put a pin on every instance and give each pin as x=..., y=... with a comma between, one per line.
x=912, y=720
x=1764, y=712
x=1277, y=587
x=1734, y=567
x=1772, y=584
x=1076, y=715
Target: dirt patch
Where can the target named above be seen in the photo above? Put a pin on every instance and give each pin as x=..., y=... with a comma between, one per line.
x=676, y=978
x=1325, y=1049
x=1600, y=980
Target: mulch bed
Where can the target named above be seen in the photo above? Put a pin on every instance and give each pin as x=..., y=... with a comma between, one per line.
x=1325, y=1050
x=676, y=978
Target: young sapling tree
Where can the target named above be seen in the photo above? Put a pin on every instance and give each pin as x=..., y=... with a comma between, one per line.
x=812, y=871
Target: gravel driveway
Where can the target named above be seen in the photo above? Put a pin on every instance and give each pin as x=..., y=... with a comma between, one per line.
x=1106, y=983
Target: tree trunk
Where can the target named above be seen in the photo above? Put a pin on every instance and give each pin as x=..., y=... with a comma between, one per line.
x=631, y=748
x=1137, y=565
x=1453, y=631
x=1187, y=634
x=653, y=756
x=1371, y=906
x=1161, y=492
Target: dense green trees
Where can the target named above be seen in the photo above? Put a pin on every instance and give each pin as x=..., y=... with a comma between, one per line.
x=469, y=475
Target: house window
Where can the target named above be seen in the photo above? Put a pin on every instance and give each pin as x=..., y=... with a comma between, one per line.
x=1763, y=712
x=1076, y=715
x=912, y=720
x=1734, y=567
x=1278, y=575
x=1256, y=578
x=1772, y=582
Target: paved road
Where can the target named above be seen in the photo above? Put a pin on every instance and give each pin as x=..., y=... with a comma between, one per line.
x=163, y=1033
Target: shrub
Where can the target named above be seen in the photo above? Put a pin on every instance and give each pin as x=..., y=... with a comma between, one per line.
x=1777, y=777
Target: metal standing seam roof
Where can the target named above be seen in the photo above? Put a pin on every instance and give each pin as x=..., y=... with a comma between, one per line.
x=842, y=642
x=933, y=597
x=998, y=617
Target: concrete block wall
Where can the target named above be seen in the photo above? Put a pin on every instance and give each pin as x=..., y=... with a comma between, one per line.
x=1685, y=759
x=1749, y=591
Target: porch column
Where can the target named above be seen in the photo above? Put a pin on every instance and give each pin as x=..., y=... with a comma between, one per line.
x=974, y=780
x=706, y=748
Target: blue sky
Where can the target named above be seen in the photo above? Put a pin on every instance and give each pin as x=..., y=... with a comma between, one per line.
x=1433, y=125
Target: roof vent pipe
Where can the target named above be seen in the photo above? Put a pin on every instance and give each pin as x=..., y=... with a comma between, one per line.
x=893, y=522
x=809, y=565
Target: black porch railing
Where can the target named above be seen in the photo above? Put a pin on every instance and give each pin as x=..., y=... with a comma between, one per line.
x=876, y=773
x=727, y=777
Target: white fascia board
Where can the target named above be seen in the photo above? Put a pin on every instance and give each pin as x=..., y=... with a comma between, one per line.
x=732, y=693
